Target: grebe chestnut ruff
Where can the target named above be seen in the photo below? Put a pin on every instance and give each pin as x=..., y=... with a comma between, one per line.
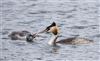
x=53, y=28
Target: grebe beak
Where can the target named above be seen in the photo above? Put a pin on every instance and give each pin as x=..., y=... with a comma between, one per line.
x=43, y=31
x=50, y=28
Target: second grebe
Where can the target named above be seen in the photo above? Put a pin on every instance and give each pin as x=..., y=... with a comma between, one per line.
x=23, y=35
x=18, y=35
x=53, y=28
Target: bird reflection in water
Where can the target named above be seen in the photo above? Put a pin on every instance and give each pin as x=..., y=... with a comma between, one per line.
x=55, y=49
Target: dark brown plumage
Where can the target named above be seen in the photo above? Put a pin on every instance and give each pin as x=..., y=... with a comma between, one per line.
x=66, y=41
x=75, y=40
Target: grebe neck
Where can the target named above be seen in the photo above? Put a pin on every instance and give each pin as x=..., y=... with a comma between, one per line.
x=53, y=39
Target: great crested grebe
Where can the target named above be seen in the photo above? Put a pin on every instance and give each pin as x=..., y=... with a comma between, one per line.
x=53, y=28
x=18, y=35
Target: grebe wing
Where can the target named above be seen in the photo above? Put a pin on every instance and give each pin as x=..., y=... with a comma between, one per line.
x=66, y=41
x=75, y=41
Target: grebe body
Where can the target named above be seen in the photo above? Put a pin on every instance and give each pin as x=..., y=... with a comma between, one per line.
x=18, y=35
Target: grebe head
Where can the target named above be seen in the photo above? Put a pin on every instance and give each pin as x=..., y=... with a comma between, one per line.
x=30, y=37
x=53, y=28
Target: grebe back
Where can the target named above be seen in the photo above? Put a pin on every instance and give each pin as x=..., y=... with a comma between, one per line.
x=17, y=35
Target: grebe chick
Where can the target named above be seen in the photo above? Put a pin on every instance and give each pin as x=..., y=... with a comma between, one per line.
x=18, y=35
x=53, y=28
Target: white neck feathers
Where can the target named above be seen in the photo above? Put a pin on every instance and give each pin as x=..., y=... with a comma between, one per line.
x=52, y=41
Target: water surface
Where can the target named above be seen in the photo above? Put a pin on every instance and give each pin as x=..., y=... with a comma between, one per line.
x=74, y=17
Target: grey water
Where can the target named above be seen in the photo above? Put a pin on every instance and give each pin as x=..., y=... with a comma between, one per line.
x=74, y=17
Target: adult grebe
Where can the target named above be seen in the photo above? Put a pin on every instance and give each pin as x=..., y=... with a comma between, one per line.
x=53, y=28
